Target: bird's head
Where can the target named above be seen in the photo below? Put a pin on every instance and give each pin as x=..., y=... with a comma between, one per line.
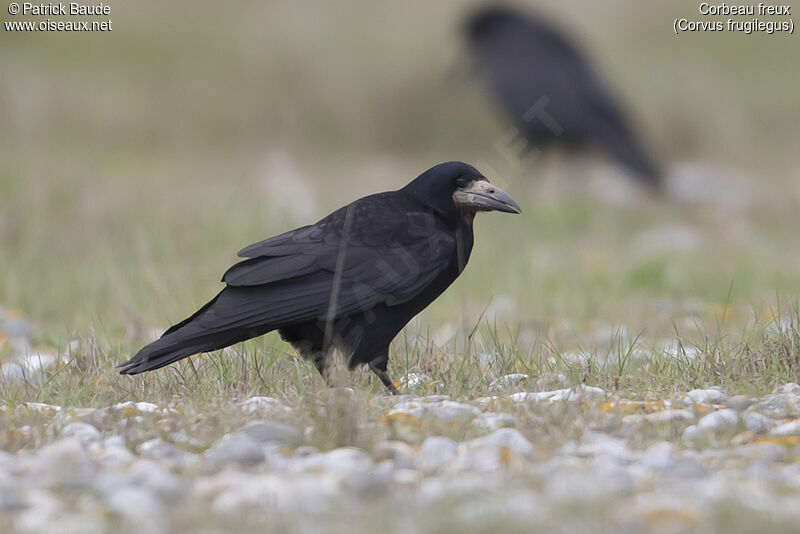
x=490, y=21
x=455, y=189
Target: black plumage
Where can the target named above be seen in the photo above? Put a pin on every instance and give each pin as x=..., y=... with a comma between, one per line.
x=549, y=89
x=351, y=281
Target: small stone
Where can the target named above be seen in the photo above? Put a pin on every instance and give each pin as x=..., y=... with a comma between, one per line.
x=510, y=381
x=114, y=441
x=676, y=350
x=237, y=448
x=261, y=404
x=712, y=426
x=129, y=408
x=15, y=325
x=598, y=444
x=406, y=411
x=139, y=507
x=369, y=483
x=494, y=451
x=47, y=409
x=578, y=393
x=343, y=459
x=792, y=428
x=158, y=449
x=739, y=402
x=660, y=417
x=756, y=422
x=71, y=415
x=790, y=388
x=42, y=508
x=451, y=411
x=490, y=421
x=113, y=457
x=395, y=451
x=670, y=416
x=11, y=372
x=407, y=477
x=36, y=362
x=719, y=421
x=65, y=463
x=659, y=456
x=155, y=477
x=705, y=396
x=436, y=408
x=83, y=432
x=778, y=327
x=165, y=452
x=416, y=380
x=434, y=453
x=146, y=407
x=266, y=431
x=743, y=438
x=549, y=380
x=778, y=405
x=295, y=496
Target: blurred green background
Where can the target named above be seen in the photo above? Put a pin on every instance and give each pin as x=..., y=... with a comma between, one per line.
x=135, y=163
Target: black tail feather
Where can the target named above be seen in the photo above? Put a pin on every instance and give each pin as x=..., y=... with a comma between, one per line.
x=183, y=340
x=627, y=150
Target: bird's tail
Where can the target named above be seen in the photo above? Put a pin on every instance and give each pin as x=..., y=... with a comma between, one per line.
x=623, y=146
x=182, y=340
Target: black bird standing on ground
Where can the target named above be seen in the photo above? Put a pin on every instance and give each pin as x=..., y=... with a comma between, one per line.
x=549, y=89
x=351, y=281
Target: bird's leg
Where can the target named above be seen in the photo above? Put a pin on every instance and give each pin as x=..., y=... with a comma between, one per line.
x=320, y=359
x=378, y=366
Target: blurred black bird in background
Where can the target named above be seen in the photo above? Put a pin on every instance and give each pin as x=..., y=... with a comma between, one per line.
x=549, y=89
x=351, y=281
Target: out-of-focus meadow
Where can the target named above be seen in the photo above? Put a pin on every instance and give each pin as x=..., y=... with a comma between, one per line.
x=135, y=163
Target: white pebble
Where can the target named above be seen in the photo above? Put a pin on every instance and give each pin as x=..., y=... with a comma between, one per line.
x=490, y=421
x=236, y=448
x=343, y=459
x=272, y=432
x=792, y=428
x=559, y=395
x=705, y=396
x=261, y=404
x=434, y=453
x=36, y=362
x=11, y=372
x=415, y=380
x=140, y=508
x=757, y=422
x=509, y=381
x=791, y=388
x=721, y=420
x=83, y=432
x=493, y=451
x=65, y=463
x=140, y=407
x=42, y=407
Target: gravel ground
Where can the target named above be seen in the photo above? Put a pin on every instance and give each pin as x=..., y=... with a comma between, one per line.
x=572, y=459
x=703, y=458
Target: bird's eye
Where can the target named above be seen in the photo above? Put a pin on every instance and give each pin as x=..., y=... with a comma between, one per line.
x=462, y=182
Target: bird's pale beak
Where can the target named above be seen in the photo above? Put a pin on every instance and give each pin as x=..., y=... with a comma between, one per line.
x=483, y=196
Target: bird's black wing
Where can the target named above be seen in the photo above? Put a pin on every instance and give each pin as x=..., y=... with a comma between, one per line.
x=381, y=249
